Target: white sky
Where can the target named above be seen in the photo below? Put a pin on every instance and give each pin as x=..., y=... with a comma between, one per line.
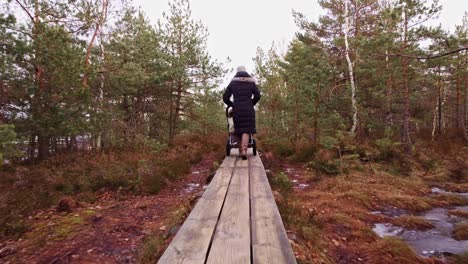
x=238, y=27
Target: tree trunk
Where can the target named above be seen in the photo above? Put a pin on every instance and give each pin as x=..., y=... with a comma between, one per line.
x=178, y=106
x=439, y=104
x=32, y=147
x=44, y=144
x=457, y=104
x=434, y=122
x=406, y=113
x=37, y=102
x=171, y=114
x=351, y=71
x=316, y=137
x=465, y=82
x=101, y=92
x=388, y=116
x=296, y=118
x=98, y=25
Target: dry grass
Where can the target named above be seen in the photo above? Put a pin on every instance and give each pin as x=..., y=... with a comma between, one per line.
x=460, y=232
x=413, y=222
x=333, y=216
x=337, y=209
x=155, y=243
x=460, y=213
x=84, y=175
x=391, y=250
x=449, y=199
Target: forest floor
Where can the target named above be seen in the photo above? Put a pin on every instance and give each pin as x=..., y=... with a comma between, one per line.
x=329, y=218
x=332, y=218
x=116, y=228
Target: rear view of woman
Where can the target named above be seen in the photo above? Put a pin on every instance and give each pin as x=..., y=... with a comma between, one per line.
x=246, y=96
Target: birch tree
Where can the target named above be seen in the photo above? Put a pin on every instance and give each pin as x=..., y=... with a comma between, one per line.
x=350, y=68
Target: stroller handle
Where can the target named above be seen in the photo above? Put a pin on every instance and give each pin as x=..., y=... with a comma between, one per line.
x=227, y=111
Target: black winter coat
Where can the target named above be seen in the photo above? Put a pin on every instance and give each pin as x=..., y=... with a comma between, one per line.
x=242, y=86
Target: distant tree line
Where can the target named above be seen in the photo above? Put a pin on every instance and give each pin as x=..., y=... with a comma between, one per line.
x=367, y=69
x=99, y=71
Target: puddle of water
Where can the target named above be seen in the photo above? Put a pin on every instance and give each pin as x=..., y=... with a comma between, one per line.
x=433, y=242
x=387, y=229
x=441, y=191
x=391, y=211
x=302, y=186
x=191, y=187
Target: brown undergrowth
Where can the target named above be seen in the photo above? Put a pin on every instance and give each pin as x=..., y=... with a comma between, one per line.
x=413, y=222
x=331, y=220
x=122, y=224
x=89, y=176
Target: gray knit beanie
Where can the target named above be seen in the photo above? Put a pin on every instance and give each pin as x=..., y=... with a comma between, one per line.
x=241, y=69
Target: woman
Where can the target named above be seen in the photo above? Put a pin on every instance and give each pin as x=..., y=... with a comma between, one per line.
x=243, y=87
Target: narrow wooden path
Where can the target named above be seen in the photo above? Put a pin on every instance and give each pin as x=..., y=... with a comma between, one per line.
x=235, y=221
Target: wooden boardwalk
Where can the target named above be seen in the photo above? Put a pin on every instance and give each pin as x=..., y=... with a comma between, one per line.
x=235, y=221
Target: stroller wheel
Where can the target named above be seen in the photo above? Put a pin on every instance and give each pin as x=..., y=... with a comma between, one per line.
x=254, y=148
x=228, y=150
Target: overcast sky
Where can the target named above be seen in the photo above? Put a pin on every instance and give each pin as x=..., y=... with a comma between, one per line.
x=238, y=27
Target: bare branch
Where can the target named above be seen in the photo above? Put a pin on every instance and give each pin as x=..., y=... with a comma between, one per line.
x=425, y=57
x=25, y=10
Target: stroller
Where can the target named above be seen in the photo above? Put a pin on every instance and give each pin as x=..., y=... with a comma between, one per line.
x=233, y=141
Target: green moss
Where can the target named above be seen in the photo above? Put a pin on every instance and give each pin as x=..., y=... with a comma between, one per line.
x=67, y=226
x=89, y=212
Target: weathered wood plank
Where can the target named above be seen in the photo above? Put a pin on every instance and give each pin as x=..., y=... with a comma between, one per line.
x=270, y=243
x=191, y=243
x=229, y=161
x=243, y=164
x=231, y=241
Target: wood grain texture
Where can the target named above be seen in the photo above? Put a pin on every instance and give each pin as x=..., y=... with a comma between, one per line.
x=243, y=164
x=190, y=245
x=228, y=161
x=231, y=242
x=270, y=243
x=237, y=216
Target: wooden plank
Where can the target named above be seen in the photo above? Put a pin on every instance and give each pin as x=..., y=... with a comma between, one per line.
x=255, y=161
x=191, y=243
x=243, y=164
x=229, y=161
x=270, y=243
x=231, y=242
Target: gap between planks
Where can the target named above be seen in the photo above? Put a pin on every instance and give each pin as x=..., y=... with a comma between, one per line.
x=245, y=228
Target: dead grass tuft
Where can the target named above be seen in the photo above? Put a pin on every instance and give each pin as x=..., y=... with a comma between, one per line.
x=413, y=222
x=460, y=232
x=391, y=250
x=460, y=213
